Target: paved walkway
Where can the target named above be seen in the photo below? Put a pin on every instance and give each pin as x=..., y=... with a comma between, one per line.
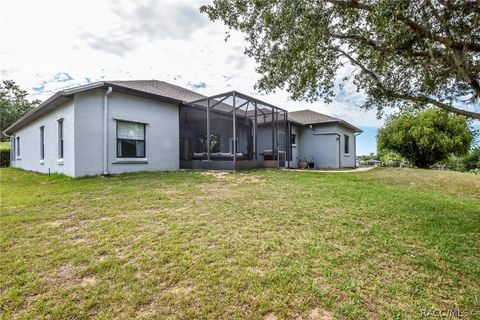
x=361, y=169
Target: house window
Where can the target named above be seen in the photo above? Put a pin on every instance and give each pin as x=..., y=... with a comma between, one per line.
x=18, y=146
x=60, y=138
x=130, y=140
x=293, y=139
x=42, y=142
x=347, y=144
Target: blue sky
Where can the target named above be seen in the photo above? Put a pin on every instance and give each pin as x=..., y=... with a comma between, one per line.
x=366, y=142
x=49, y=45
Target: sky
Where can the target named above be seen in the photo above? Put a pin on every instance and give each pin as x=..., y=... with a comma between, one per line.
x=46, y=46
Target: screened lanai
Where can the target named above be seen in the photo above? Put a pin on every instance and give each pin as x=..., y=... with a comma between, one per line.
x=232, y=131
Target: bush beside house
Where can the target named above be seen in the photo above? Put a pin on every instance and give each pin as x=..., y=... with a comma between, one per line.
x=4, y=154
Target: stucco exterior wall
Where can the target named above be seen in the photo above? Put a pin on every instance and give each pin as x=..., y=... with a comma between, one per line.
x=325, y=143
x=161, y=139
x=29, y=158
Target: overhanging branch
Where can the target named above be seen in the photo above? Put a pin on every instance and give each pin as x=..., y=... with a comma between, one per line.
x=414, y=26
x=420, y=99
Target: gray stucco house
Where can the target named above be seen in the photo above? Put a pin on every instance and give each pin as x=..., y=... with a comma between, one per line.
x=112, y=127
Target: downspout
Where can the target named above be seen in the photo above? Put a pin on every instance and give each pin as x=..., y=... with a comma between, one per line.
x=105, y=130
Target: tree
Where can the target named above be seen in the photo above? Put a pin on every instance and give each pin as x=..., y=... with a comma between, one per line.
x=470, y=161
x=425, y=52
x=13, y=104
x=425, y=137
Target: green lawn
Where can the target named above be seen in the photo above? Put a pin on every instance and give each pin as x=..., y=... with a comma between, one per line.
x=382, y=244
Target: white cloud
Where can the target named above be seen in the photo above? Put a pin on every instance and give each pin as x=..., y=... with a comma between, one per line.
x=49, y=45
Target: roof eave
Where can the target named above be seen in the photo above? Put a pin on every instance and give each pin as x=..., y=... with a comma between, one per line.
x=48, y=105
x=339, y=122
x=142, y=94
x=52, y=102
x=350, y=126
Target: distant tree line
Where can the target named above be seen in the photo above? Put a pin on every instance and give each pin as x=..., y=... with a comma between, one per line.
x=13, y=105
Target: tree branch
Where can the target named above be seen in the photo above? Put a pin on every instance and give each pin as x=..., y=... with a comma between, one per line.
x=420, y=99
x=441, y=105
x=418, y=28
x=376, y=46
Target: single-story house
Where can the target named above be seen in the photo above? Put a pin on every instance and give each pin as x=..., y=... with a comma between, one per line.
x=112, y=127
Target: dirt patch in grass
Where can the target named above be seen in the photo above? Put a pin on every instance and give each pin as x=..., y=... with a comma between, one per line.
x=67, y=275
x=237, y=178
x=270, y=316
x=88, y=281
x=320, y=314
x=221, y=175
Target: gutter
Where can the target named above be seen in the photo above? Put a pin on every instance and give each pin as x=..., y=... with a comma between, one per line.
x=67, y=93
x=105, y=130
x=55, y=100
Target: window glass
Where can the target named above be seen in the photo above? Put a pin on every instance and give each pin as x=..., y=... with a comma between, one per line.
x=129, y=130
x=60, y=138
x=347, y=144
x=42, y=143
x=130, y=140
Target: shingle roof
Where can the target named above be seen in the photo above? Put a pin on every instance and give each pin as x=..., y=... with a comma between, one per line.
x=156, y=89
x=306, y=117
x=310, y=117
x=160, y=88
x=148, y=88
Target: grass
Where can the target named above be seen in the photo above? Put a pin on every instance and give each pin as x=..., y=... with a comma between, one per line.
x=385, y=244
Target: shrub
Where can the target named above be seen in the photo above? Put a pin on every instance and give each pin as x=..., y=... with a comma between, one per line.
x=475, y=171
x=469, y=162
x=425, y=137
x=4, y=157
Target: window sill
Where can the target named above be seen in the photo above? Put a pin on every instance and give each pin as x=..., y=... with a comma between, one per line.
x=294, y=145
x=347, y=154
x=42, y=162
x=18, y=158
x=60, y=162
x=131, y=161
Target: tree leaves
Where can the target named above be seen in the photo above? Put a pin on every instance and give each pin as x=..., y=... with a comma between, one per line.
x=425, y=137
x=13, y=104
x=403, y=51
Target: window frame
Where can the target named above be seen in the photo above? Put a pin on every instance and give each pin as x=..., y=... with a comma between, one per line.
x=60, y=136
x=17, y=146
x=346, y=144
x=13, y=148
x=293, y=139
x=42, y=143
x=144, y=139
